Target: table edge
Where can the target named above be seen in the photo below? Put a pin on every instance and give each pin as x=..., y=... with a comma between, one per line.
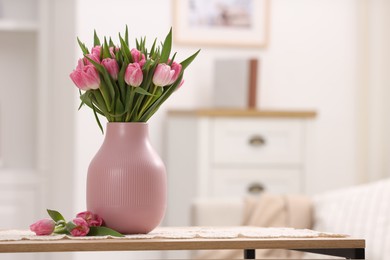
x=74, y=245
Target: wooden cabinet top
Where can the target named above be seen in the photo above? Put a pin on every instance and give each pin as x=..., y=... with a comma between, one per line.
x=213, y=112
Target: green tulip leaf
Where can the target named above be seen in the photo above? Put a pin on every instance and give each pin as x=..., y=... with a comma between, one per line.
x=111, y=43
x=96, y=40
x=106, y=49
x=187, y=62
x=153, y=48
x=97, y=119
x=173, y=59
x=127, y=35
x=166, y=49
x=55, y=215
x=70, y=226
x=125, y=50
x=103, y=231
x=82, y=47
x=142, y=91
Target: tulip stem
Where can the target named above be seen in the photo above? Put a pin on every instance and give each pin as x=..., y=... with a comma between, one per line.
x=131, y=99
x=60, y=230
x=105, y=98
x=148, y=101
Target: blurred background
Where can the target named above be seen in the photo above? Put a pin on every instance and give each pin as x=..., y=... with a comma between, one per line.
x=326, y=57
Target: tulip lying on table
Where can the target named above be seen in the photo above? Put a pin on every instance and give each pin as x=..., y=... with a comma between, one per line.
x=85, y=224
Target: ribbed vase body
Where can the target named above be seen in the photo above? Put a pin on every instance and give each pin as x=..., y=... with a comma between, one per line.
x=127, y=183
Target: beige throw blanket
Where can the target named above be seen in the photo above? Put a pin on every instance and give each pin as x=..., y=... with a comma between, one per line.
x=270, y=210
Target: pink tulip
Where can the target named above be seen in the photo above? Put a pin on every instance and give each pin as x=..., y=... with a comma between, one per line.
x=138, y=57
x=113, y=51
x=177, y=68
x=133, y=74
x=81, y=229
x=112, y=67
x=92, y=57
x=85, y=77
x=43, y=227
x=93, y=220
x=163, y=75
x=80, y=64
x=96, y=51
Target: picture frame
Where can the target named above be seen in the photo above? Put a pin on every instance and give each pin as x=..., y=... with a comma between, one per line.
x=226, y=23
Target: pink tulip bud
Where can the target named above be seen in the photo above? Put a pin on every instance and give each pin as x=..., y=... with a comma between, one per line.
x=81, y=229
x=86, y=78
x=96, y=51
x=133, y=74
x=80, y=64
x=92, y=57
x=113, y=51
x=112, y=67
x=163, y=75
x=177, y=68
x=43, y=227
x=93, y=220
x=138, y=57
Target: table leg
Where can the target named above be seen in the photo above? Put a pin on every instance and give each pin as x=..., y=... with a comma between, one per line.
x=249, y=254
x=359, y=253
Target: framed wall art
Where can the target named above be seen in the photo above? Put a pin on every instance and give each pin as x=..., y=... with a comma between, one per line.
x=240, y=23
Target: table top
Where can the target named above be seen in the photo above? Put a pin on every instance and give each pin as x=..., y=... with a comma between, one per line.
x=67, y=245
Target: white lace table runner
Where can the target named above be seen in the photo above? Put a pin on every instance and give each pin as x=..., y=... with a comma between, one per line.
x=186, y=233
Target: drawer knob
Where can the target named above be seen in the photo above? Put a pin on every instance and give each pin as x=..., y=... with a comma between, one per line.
x=257, y=140
x=256, y=188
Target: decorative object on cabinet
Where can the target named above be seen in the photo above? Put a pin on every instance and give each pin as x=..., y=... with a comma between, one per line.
x=229, y=153
x=221, y=22
x=235, y=82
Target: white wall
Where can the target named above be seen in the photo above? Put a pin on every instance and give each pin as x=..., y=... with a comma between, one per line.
x=376, y=64
x=311, y=63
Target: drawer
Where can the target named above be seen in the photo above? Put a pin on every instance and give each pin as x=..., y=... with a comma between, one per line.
x=257, y=141
x=241, y=182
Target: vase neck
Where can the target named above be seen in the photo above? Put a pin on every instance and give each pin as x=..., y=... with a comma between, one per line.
x=128, y=132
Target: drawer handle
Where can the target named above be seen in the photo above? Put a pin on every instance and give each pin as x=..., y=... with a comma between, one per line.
x=256, y=188
x=257, y=140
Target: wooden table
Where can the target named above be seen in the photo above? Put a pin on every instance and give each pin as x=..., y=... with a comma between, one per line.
x=349, y=248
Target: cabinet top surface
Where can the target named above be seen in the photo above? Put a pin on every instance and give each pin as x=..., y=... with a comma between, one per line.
x=217, y=112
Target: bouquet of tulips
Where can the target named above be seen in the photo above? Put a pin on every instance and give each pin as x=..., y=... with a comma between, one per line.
x=127, y=84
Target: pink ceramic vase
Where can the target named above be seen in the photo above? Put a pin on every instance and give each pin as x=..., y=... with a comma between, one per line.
x=126, y=182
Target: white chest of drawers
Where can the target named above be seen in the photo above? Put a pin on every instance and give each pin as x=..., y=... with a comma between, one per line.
x=230, y=153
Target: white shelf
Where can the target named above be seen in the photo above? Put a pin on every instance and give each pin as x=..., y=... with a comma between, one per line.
x=18, y=26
